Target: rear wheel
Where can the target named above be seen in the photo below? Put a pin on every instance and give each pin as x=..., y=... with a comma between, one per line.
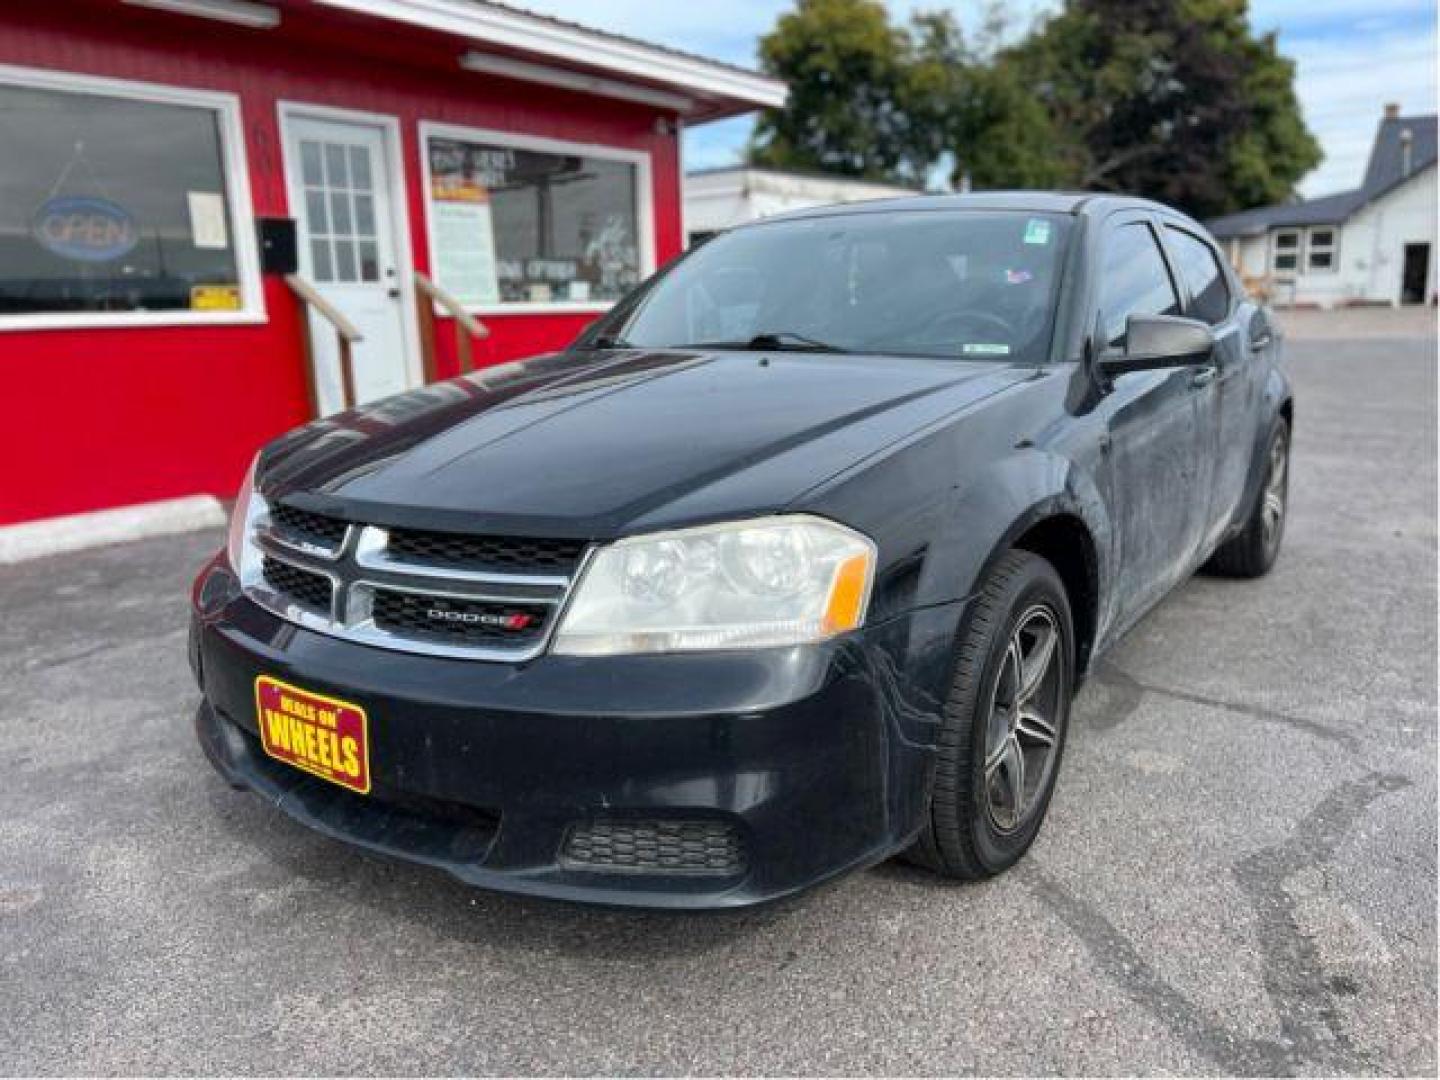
x=1004, y=726
x=1252, y=551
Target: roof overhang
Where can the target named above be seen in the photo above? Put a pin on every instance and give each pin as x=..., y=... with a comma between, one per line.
x=536, y=48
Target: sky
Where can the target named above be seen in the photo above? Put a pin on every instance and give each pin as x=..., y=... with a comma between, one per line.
x=1352, y=57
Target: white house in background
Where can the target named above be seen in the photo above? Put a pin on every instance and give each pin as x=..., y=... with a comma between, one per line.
x=1373, y=245
x=717, y=199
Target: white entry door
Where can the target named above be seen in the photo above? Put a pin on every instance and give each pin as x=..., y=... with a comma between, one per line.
x=341, y=194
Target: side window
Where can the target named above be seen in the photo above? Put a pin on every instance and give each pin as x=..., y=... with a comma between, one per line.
x=1133, y=280
x=1209, y=292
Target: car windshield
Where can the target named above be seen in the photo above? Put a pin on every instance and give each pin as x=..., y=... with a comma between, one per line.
x=974, y=285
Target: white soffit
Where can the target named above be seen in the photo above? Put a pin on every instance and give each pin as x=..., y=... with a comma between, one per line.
x=734, y=89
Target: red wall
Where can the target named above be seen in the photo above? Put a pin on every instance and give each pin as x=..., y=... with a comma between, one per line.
x=99, y=418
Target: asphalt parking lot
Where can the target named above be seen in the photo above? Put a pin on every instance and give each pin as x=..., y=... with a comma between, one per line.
x=1238, y=874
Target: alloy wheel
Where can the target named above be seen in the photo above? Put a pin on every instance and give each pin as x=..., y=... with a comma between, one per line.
x=1272, y=513
x=1023, y=735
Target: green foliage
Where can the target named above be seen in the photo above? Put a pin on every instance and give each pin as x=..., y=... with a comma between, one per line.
x=1174, y=99
x=846, y=68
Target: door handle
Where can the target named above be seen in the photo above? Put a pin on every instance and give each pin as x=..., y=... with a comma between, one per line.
x=1203, y=377
x=393, y=292
x=1261, y=342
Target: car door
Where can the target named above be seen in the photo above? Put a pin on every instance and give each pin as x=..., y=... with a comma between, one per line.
x=1157, y=476
x=1225, y=391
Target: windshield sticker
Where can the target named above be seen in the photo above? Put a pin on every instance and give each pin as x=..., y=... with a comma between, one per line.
x=1037, y=231
x=985, y=349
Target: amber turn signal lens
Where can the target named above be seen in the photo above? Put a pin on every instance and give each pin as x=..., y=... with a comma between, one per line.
x=847, y=596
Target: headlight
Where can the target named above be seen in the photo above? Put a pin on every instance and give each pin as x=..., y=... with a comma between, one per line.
x=240, y=546
x=749, y=584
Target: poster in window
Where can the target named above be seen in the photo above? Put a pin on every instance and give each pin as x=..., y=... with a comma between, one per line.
x=207, y=220
x=560, y=227
x=464, y=232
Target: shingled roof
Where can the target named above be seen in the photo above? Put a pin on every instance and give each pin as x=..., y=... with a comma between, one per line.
x=1386, y=169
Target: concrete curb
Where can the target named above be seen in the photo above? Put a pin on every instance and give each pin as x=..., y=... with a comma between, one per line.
x=75, y=532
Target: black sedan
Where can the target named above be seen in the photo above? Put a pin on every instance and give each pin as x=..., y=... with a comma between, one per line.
x=791, y=563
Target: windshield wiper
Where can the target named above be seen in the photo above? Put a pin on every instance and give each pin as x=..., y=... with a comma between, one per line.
x=609, y=341
x=774, y=341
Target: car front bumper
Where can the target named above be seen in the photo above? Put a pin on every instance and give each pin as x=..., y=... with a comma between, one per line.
x=679, y=781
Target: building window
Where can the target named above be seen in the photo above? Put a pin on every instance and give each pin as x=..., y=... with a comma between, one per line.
x=1320, y=251
x=1286, y=254
x=522, y=224
x=121, y=204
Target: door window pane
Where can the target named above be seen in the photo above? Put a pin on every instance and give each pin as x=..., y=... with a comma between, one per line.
x=369, y=261
x=1134, y=281
x=525, y=226
x=323, y=268
x=360, y=168
x=340, y=213
x=345, y=260
x=1199, y=266
x=310, y=167
x=340, y=219
x=318, y=219
x=112, y=204
x=336, y=174
x=364, y=215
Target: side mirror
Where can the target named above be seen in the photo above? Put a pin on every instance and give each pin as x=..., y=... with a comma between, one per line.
x=1160, y=341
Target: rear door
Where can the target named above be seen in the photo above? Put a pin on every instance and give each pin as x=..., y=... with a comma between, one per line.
x=1225, y=390
x=1159, y=490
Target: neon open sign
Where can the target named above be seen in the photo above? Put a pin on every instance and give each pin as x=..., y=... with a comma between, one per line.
x=85, y=228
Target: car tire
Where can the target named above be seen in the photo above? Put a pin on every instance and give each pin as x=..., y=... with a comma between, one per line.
x=974, y=826
x=1252, y=551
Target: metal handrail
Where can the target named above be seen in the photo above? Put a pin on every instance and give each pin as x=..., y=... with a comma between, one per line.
x=345, y=336
x=467, y=327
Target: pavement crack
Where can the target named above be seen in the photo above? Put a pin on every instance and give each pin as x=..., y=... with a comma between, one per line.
x=1132, y=691
x=1121, y=960
x=1302, y=991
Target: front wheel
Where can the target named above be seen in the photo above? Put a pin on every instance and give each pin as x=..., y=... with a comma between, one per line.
x=1252, y=551
x=1004, y=725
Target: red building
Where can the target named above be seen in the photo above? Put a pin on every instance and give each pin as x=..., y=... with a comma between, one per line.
x=149, y=338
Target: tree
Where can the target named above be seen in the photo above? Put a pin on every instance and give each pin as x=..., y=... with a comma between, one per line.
x=1174, y=99
x=848, y=111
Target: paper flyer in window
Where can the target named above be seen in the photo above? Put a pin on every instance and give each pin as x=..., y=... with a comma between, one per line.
x=208, y=229
x=464, y=239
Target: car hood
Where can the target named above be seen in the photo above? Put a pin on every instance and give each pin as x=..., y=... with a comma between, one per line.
x=574, y=444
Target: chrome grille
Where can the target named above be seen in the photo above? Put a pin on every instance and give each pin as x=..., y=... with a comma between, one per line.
x=499, y=554
x=308, y=529
x=361, y=585
x=475, y=622
x=306, y=588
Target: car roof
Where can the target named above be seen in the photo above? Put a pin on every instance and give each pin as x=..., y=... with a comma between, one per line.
x=1052, y=202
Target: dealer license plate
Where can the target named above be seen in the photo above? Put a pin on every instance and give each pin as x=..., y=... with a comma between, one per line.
x=326, y=737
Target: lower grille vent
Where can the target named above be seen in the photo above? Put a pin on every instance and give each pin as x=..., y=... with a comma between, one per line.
x=685, y=847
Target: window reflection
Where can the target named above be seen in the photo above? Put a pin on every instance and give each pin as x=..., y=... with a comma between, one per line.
x=112, y=204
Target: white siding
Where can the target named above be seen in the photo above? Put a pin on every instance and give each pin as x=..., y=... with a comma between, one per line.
x=718, y=200
x=1377, y=235
x=1371, y=250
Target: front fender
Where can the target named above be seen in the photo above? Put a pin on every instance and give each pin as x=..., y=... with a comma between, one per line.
x=1003, y=502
